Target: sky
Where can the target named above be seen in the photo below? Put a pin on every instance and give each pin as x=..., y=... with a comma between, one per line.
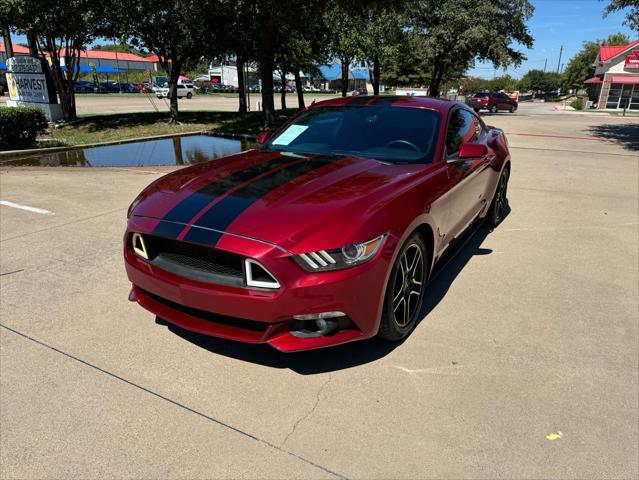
x=556, y=23
x=553, y=24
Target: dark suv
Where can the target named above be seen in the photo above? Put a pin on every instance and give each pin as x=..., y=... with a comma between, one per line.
x=493, y=101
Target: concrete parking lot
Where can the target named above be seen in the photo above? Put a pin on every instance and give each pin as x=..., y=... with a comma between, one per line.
x=524, y=366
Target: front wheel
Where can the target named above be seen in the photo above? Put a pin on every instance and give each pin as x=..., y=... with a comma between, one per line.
x=513, y=109
x=189, y=95
x=494, y=108
x=405, y=290
x=497, y=208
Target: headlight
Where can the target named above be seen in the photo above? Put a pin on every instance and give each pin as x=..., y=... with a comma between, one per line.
x=338, y=258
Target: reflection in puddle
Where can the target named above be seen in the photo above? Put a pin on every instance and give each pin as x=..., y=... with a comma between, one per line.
x=170, y=151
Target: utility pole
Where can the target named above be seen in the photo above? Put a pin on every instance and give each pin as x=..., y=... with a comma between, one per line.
x=545, y=63
x=559, y=61
x=8, y=46
x=117, y=65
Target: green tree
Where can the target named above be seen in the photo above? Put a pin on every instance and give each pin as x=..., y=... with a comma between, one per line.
x=458, y=32
x=472, y=85
x=540, y=81
x=61, y=30
x=381, y=38
x=581, y=67
x=632, y=16
x=410, y=67
x=505, y=82
x=177, y=32
x=344, y=39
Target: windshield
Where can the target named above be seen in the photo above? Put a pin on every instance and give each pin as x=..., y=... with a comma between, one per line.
x=390, y=134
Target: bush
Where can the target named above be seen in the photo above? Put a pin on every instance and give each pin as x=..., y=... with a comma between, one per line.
x=577, y=104
x=19, y=127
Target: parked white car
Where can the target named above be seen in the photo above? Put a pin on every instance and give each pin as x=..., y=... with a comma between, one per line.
x=183, y=90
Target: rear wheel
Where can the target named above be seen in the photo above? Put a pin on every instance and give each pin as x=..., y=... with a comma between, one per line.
x=498, y=206
x=493, y=108
x=405, y=290
x=513, y=109
x=189, y=95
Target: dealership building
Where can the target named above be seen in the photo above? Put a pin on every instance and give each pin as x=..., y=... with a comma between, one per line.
x=615, y=85
x=102, y=60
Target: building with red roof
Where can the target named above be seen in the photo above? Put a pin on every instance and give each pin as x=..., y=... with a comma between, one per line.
x=100, y=58
x=615, y=85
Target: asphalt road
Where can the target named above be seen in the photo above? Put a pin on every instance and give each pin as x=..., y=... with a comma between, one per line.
x=524, y=366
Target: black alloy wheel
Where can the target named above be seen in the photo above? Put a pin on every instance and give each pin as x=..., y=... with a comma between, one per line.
x=500, y=200
x=405, y=290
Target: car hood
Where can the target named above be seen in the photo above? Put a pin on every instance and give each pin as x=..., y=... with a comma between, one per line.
x=296, y=202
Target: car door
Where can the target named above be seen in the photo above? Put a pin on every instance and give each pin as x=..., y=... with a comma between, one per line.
x=504, y=101
x=468, y=178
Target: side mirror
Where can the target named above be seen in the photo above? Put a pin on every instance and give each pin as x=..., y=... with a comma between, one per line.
x=473, y=150
x=263, y=136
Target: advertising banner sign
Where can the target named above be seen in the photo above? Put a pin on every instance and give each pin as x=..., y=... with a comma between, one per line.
x=28, y=87
x=632, y=61
x=26, y=80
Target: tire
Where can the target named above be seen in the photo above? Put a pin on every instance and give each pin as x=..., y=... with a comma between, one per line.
x=189, y=95
x=496, y=211
x=401, y=309
x=513, y=109
x=493, y=108
x=476, y=110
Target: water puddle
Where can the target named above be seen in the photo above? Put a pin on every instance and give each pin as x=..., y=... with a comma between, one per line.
x=167, y=151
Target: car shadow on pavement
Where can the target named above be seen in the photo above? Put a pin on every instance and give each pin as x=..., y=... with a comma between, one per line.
x=627, y=135
x=351, y=354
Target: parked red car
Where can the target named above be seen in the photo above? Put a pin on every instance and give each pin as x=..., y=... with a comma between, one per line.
x=493, y=102
x=327, y=233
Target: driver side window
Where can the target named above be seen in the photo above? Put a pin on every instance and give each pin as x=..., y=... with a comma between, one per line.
x=461, y=129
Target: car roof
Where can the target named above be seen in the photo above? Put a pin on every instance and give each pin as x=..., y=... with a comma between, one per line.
x=431, y=103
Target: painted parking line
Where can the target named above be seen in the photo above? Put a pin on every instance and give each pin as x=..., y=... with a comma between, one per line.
x=41, y=211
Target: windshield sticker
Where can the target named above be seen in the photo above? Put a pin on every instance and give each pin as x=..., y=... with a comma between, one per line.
x=290, y=134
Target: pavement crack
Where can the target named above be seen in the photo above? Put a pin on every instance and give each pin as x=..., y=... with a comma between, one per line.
x=309, y=413
x=10, y=273
x=181, y=405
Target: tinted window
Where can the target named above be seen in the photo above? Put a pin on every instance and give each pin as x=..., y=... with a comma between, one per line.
x=481, y=95
x=383, y=132
x=463, y=127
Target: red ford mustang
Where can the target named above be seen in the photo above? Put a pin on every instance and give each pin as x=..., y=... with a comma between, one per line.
x=324, y=235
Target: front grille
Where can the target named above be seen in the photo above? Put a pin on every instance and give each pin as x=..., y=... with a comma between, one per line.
x=210, y=316
x=196, y=262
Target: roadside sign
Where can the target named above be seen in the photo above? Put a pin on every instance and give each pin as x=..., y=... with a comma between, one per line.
x=26, y=80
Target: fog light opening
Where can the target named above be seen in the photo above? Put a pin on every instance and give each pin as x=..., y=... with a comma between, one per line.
x=319, y=324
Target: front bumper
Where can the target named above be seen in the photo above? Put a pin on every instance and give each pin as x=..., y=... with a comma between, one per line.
x=261, y=315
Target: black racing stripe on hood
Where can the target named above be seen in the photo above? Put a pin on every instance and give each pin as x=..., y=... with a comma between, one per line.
x=184, y=211
x=222, y=214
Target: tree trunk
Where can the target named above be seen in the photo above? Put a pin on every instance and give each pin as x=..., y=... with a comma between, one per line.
x=300, y=92
x=8, y=45
x=174, y=73
x=241, y=91
x=435, y=84
x=266, y=68
x=283, y=90
x=345, y=65
x=376, y=75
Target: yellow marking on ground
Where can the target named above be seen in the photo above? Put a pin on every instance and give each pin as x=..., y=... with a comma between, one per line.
x=554, y=436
